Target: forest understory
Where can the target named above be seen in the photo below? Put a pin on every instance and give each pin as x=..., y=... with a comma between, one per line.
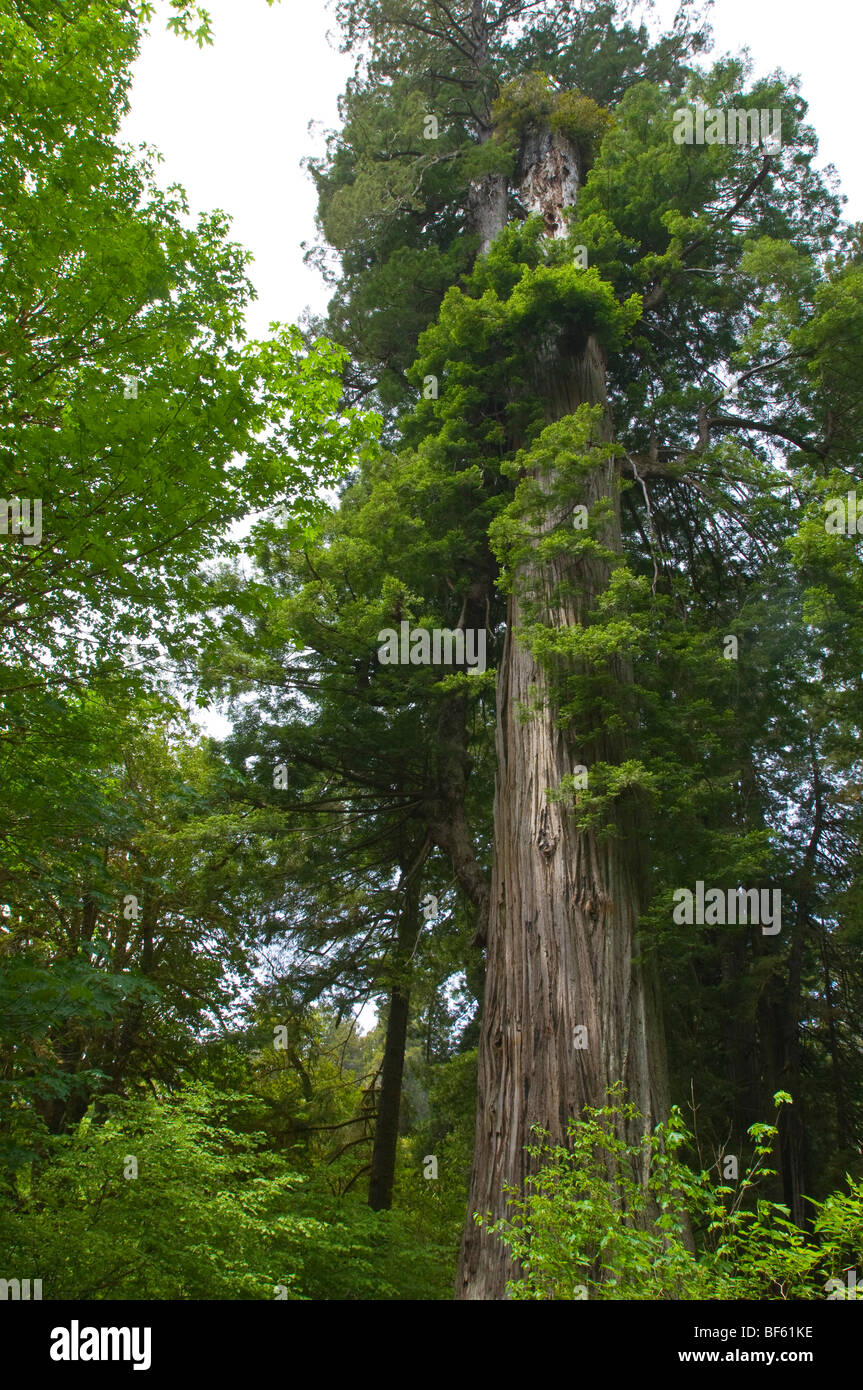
x=508, y=946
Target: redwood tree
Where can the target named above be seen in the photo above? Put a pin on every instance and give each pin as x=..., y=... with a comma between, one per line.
x=613, y=284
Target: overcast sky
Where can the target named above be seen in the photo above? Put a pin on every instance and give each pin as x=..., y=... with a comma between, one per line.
x=231, y=120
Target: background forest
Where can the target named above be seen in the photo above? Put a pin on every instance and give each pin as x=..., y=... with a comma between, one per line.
x=190, y=927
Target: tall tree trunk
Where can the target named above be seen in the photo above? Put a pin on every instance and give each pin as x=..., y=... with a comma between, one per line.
x=389, y=1102
x=844, y=1126
x=562, y=949
x=792, y=1134
x=446, y=813
x=383, y=1165
x=486, y=207
x=564, y=907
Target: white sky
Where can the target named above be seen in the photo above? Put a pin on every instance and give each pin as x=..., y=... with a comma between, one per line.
x=231, y=120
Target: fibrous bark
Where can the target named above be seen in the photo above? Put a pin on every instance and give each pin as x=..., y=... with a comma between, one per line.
x=552, y=174
x=565, y=901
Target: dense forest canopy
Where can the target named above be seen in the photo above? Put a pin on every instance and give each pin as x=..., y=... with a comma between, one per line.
x=530, y=575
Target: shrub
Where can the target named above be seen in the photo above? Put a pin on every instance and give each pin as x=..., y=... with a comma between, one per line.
x=586, y=1225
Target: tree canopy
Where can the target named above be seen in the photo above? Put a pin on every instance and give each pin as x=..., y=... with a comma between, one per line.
x=586, y=399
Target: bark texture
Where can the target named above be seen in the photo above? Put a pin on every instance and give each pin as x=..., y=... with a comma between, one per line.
x=551, y=179
x=564, y=903
x=486, y=208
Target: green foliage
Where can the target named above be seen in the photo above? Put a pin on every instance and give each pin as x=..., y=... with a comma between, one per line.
x=263, y=907
x=104, y=283
x=533, y=102
x=207, y=1216
x=587, y=1226
x=213, y=1213
x=38, y=1001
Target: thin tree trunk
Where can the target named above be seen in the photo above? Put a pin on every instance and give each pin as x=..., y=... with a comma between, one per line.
x=446, y=814
x=844, y=1128
x=792, y=1137
x=389, y=1103
x=383, y=1165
